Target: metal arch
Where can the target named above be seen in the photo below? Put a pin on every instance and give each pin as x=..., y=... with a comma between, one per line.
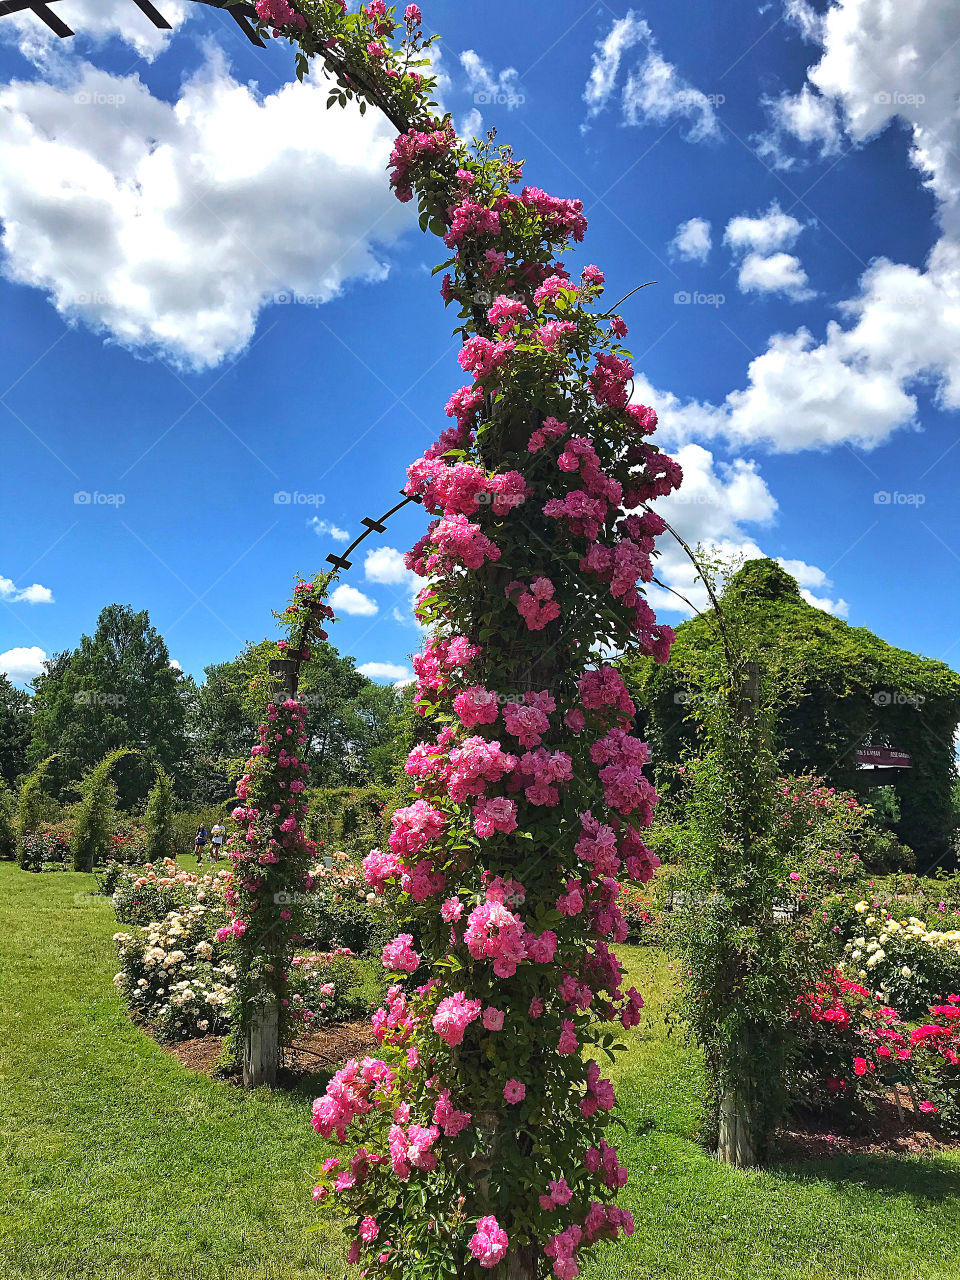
x=243, y=13
x=285, y=672
x=372, y=526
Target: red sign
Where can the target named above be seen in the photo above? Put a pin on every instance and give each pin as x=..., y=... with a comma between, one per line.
x=884, y=757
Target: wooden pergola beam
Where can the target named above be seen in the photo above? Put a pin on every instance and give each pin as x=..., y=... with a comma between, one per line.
x=241, y=14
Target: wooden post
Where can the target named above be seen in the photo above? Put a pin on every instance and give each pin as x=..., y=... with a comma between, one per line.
x=735, y=1144
x=735, y=1140
x=261, y=1049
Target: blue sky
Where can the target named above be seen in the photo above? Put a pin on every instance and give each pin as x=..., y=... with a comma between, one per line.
x=210, y=298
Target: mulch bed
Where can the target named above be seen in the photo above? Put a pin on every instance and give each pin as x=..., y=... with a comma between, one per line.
x=320, y=1051
x=891, y=1133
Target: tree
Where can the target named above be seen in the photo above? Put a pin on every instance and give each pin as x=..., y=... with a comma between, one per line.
x=117, y=689
x=158, y=819
x=481, y=1123
x=97, y=813
x=15, y=727
x=351, y=721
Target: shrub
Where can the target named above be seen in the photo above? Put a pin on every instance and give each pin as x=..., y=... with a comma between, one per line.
x=47, y=848
x=903, y=961
x=645, y=925
x=341, y=910
x=160, y=832
x=96, y=813
x=326, y=988
x=853, y=1050
x=140, y=897
x=172, y=977
x=349, y=818
x=32, y=803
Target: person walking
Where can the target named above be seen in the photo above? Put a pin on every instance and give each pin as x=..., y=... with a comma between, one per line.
x=217, y=833
x=199, y=842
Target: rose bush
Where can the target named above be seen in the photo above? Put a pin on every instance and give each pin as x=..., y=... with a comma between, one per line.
x=479, y=1130
x=855, y=1049
x=902, y=960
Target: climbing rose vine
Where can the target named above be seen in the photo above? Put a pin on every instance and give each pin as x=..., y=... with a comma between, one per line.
x=270, y=854
x=475, y=1139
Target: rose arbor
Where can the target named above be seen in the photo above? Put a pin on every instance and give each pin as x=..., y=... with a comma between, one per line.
x=477, y=1135
x=269, y=851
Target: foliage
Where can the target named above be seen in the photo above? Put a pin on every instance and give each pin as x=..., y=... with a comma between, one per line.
x=8, y=823
x=158, y=819
x=31, y=799
x=645, y=925
x=841, y=688
x=758, y=856
x=15, y=727
x=342, y=910
x=117, y=689
x=97, y=813
x=348, y=818
x=351, y=721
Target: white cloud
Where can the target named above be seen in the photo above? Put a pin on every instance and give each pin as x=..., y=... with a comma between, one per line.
x=385, y=564
x=764, y=234
x=96, y=21
x=780, y=273
x=324, y=528
x=654, y=92
x=346, y=599
x=693, y=241
x=807, y=576
x=34, y=594
x=386, y=671
x=806, y=116
x=169, y=226
x=22, y=664
x=502, y=90
x=175, y=664
x=622, y=36
x=711, y=508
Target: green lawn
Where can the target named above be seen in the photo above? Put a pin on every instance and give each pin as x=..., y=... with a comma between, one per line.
x=119, y=1163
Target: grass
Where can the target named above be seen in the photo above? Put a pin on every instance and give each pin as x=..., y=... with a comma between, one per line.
x=118, y=1162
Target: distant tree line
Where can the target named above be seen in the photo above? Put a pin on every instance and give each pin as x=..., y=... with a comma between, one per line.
x=118, y=690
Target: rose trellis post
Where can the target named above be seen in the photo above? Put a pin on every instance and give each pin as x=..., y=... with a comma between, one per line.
x=269, y=850
x=475, y=1139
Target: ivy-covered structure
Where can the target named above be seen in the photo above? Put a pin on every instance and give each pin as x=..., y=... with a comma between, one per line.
x=842, y=689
